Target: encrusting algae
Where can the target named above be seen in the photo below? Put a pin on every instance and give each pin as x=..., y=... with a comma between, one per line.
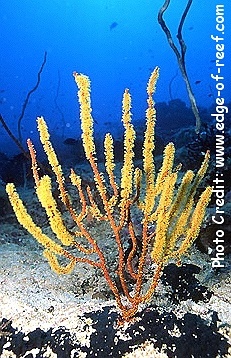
x=169, y=216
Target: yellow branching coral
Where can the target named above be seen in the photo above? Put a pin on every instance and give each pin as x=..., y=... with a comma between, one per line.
x=170, y=218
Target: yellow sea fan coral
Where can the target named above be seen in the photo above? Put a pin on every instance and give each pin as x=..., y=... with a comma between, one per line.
x=149, y=215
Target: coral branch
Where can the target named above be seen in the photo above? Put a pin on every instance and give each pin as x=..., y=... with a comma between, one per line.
x=180, y=56
x=28, y=97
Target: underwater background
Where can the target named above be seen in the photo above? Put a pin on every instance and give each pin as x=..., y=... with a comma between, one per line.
x=117, y=43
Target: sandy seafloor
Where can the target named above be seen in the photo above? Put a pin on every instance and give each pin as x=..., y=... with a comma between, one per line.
x=46, y=315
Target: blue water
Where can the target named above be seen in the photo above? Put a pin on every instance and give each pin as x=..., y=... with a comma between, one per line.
x=116, y=43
